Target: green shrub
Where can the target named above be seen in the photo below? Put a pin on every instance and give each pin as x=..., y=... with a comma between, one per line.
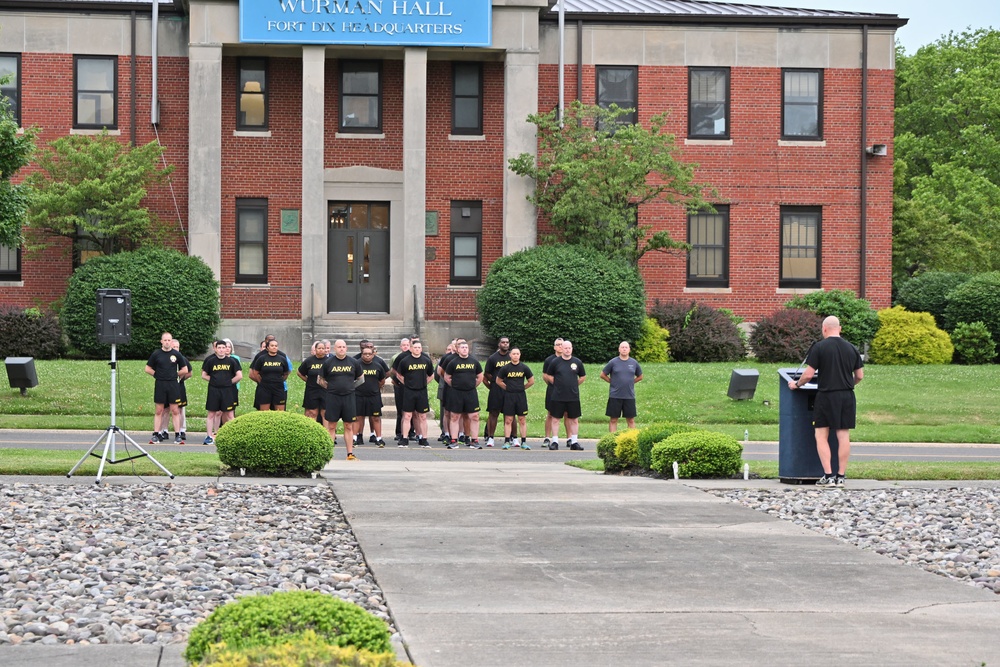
x=786, y=335
x=170, y=292
x=699, y=454
x=973, y=344
x=928, y=293
x=536, y=295
x=307, y=651
x=652, y=346
x=910, y=338
x=271, y=620
x=858, y=322
x=653, y=434
x=606, y=451
x=627, y=447
x=698, y=332
x=274, y=443
x=26, y=332
x=975, y=300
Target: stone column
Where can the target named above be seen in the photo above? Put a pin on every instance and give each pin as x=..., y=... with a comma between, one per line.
x=520, y=228
x=205, y=154
x=313, y=216
x=414, y=178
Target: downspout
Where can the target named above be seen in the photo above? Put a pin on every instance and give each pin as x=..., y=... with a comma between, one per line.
x=562, y=59
x=862, y=283
x=579, y=60
x=154, y=103
x=132, y=82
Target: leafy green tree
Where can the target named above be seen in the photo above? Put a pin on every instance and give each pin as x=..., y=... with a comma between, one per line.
x=593, y=172
x=16, y=149
x=92, y=187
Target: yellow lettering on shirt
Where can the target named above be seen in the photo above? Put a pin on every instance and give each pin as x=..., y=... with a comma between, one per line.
x=316, y=367
x=273, y=364
x=417, y=367
x=515, y=374
x=464, y=367
x=221, y=367
x=341, y=369
x=371, y=371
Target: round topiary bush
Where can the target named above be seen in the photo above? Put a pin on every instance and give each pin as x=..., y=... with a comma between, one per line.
x=655, y=433
x=973, y=344
x=27, y=332
x=606, y=451
x=308, y=650
x=858, y=322
x=278, y=618
x=627, y=447
x=699, y=454
x=975, y=300
x=536, y=295
x=274, y=443
x=170, y=292
x=928, y=293
x=652, y=346
x=698, y=332
x=910, y=338
x=785, y=336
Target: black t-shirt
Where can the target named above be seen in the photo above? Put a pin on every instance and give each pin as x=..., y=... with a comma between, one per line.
x=494, y=363
x=564, y=372
x=835, y=361
x=514, y=376
x=463, y=372
x=271, y=369
x=165, y=364
x=312, y=368
x=443, y=365
x=373, y=374
x=340, y=374
x=378, y=360
x=220, y=371
x=415, y=370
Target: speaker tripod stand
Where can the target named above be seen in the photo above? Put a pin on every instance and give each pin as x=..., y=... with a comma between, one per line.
x=111, y=435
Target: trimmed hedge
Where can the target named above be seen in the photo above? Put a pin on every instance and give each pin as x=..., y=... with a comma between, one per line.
x=606, y=451
x=627, y=447
x=550, y=291
x=27, y=332
x=910, y=338
x=973, y=344
x=699, y=332
x=308, y=650
x=652, y=345
x=699, y=454
x=170, y=292
x=278, y=618
x=274, y=443
x=928, y=293
x=858, y=322
x=785, y=336
x=655, y=433
x=975, y=300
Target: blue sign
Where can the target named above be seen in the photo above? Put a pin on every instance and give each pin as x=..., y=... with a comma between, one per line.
x=368, y=22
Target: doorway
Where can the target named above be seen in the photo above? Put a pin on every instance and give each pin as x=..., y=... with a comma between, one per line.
x=358, y=252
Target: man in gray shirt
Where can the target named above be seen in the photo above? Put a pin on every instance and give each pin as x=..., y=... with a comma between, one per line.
x=621, y=373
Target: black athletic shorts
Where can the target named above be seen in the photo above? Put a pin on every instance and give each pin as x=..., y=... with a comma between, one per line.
x=341, y=407
x=270, y=395
x=315, y=397
x=515, y=403
x=184, y=394
x=569, y=408
x=835, y=409
x=221, y=399
x=368, y=406
x=462, y=401
x=548, y=398
x=415, y=400
x=167, y=392
x=621, y=407
x=494, y=400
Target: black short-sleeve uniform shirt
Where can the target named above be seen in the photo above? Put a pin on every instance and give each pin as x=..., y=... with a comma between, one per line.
x=165, y=364
x=373, y=373
x=564, y=372
x=271, y=369
x=514, y=376
x=463, y=372
x=340, y=374
x=415, y=370
x=312, y=368
x=835, y=361
x=220, y=371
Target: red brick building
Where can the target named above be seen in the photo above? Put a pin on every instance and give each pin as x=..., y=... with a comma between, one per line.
x=345, y=174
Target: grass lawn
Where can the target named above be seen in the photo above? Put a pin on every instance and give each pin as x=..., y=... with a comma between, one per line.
x=59, y=462
x=895, y=403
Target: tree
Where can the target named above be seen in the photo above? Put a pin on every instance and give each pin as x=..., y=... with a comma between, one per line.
x=16, y=149
x=947, y=207
x=91, y=188
x=594, y=171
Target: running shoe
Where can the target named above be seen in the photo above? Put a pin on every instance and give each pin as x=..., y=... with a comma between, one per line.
x=372, y=439
x=352, y=457
x=453, y=444
x=209, y=440
x=489, y=441
x=841, y=481
x=154, y=439
x=473, y=444
x=576, y=447
x=164, y=436
x=506, y=445
x=424, y=444
x=524, y=445
x=554, y=445
x=178, y=440
x=381, y=443
x=827, y=481
x=184, y=436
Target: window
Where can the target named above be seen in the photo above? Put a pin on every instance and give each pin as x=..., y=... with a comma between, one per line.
x=619, y=85
x=361, y=96
x=87, y=245
x=251, y=108
x=467, y=100
x=466, y=243
x=708, y=117
x=10, y=66
x=708, y=261
x=800, y=246
x=95, y=81
x=10, y=263
x=251, y=240
x=802, y=104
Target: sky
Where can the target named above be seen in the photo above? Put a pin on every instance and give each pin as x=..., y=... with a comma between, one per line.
x=929, y=19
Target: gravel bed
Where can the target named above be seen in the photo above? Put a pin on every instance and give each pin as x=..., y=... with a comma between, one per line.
x=144, y=564
x=951, y=532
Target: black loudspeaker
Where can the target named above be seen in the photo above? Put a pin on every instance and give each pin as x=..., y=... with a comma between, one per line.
x=114, y=316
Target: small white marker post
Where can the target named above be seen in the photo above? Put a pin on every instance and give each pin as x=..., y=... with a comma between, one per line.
x=243, y=472
x=746, y=471
x=676, y=476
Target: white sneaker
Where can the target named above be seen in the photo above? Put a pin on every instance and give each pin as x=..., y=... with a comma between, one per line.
x=489, y=442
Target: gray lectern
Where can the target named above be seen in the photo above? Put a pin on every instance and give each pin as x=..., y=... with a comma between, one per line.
x=798, y=462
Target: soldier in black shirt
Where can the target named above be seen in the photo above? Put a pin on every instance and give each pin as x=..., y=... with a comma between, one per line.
x=515, y=379
x=368, y=396
x=167, y=367
x=414, y=370
x=442, y=392
x=359, y=436
x=397, y=385
x=494, y=400
x=550, y=422
x=565, y=374
x=269, y=370
x=339, y=375
x=309, y=372
x=222, y=373
x=463, y=374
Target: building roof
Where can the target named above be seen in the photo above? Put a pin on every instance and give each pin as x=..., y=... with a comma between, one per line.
x=697, y=11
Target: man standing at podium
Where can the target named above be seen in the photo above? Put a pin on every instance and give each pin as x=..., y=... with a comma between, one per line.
x=840, y=369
